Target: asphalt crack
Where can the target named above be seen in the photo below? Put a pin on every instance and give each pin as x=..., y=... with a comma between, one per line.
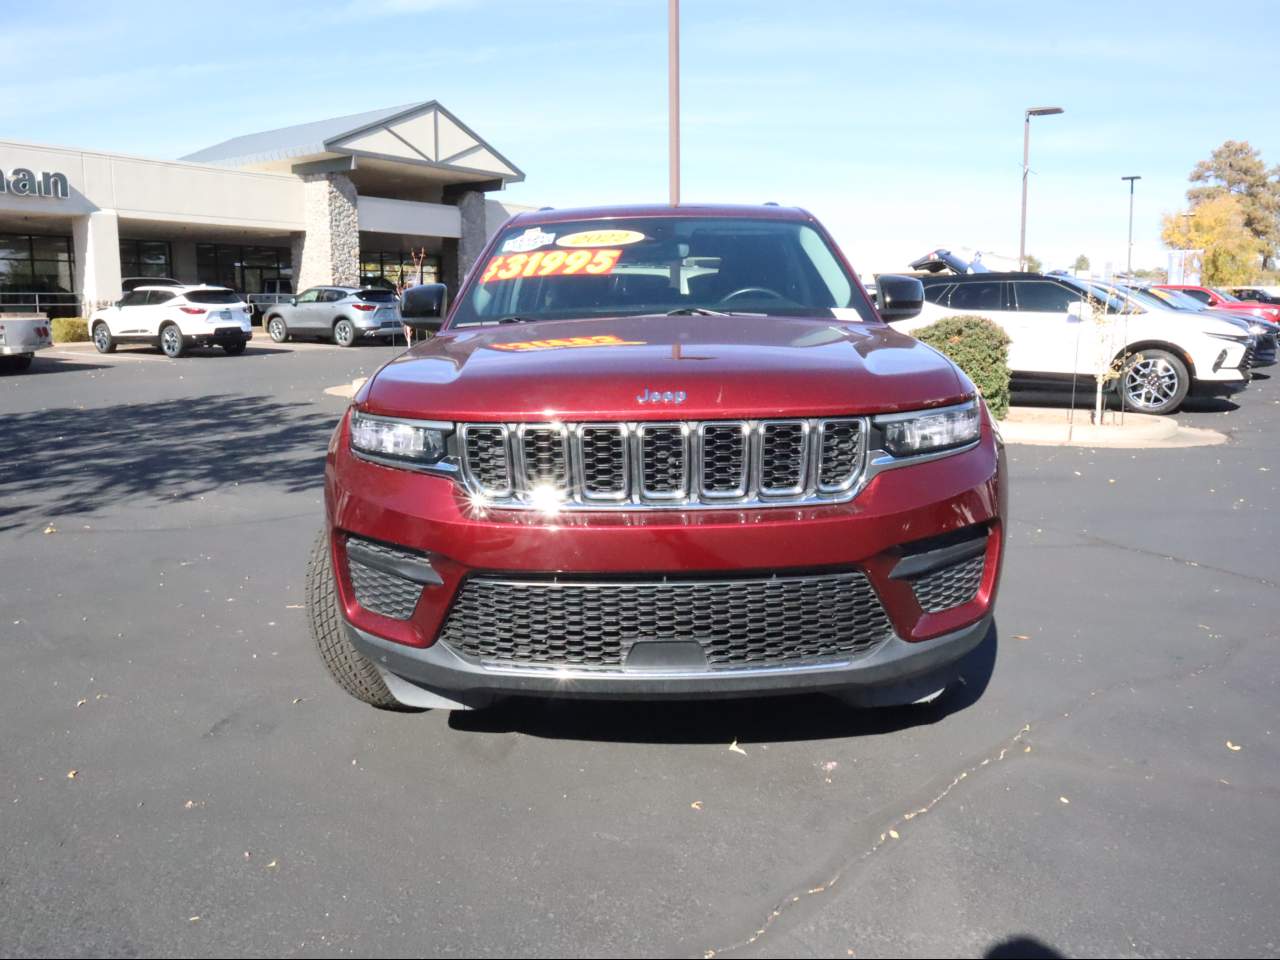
x=888, y=836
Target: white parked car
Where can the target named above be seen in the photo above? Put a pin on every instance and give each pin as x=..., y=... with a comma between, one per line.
x=1173, y=353
x=174, y=319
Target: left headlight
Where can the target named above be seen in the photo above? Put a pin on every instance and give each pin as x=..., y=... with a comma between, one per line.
x=929, y=431
x=420, y=442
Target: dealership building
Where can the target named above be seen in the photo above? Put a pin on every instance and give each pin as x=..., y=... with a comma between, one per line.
x=388, y=196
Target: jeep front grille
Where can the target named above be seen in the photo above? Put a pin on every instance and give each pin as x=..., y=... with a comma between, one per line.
x=660, y=463
x=750, y=622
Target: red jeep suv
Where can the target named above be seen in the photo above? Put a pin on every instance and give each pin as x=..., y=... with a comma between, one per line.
x=660, y=452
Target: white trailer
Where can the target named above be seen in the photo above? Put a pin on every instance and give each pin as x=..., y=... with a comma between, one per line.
x=21, y=335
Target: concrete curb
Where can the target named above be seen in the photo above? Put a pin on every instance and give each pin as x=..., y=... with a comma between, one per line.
x=346, y=390
x=1050, y=427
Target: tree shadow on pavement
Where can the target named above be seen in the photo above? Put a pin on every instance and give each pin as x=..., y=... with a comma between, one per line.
x=67, y=461
x=771, y=719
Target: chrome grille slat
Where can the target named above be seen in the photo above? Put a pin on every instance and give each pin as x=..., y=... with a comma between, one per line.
x=664, y=464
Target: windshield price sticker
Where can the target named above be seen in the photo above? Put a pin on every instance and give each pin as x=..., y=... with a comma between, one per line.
x=561, y=343
x=600, y=238
x=550, y=263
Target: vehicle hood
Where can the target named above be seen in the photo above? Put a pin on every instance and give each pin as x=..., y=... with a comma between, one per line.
x=722, y=367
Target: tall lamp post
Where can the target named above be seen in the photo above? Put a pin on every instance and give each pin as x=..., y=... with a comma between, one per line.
x=1026, y=168
x=1129, y=263
x=673, y=98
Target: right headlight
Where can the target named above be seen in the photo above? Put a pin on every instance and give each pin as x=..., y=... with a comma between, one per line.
x=411, y=442
x=929, y=431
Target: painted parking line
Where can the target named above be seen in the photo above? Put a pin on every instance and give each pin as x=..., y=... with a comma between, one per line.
x=92, y=356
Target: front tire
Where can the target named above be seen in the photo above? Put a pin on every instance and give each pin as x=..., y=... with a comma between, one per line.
x=344, y=333
x=1155, y=382
x=102, y=339
x=348, y=666
x=171, y=343
x=277, y=329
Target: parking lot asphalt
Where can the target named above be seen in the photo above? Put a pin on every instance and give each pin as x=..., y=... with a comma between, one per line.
x=179, y=776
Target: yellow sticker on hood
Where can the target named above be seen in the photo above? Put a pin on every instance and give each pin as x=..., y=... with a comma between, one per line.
x=600, y=238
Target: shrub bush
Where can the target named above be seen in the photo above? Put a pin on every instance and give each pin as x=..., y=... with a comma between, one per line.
x=979, y=348
x=69, y=329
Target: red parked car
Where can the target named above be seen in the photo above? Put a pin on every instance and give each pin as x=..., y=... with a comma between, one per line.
x=1221, y=300
x=660, y=452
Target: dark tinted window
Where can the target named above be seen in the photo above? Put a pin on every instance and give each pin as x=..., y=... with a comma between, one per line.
x=135, y=298
x=1198, y=294
x=1043, y=296
x=159, y=296
x=213, y=296
x=332, y=296
x=377, y=296
x=976, y=296
x=936, y=289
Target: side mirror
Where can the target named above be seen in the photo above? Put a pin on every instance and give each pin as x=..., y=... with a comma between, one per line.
x=898, y=297
x=293, y=301
x=422, y=308
x=1075, y=312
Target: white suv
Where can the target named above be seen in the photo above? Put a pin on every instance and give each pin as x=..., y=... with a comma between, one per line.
x=173, y=319
x=1174, y=353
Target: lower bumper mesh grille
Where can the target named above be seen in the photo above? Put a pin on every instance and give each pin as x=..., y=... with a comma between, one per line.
x=382, y=592
x=951, y=586
x=738, y=623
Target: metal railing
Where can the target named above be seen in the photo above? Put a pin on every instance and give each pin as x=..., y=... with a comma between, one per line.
x=50, y=304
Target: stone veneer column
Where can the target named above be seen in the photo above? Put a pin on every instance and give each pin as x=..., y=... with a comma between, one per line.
x=329, y=251
x=471, y=207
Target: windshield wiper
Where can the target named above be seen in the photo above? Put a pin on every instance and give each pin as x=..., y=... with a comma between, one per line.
x=513, y=319
x=696, y=311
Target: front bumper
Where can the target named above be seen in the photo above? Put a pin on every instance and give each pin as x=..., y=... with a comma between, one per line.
x=431, y=515
x=894, y=673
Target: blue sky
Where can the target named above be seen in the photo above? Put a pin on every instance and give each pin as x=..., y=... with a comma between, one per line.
x=900, y=126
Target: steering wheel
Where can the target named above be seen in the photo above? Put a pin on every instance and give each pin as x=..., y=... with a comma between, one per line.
x=772, y=294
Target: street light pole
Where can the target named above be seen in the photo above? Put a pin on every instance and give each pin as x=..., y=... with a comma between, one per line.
x=1026, y=169
x=673, y=98
x=1129, y=265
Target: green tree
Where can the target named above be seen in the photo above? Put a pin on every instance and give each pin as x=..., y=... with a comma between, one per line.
x=1216, y=226
x=1032, y=264
x=1082, y=263
x=1236, y=168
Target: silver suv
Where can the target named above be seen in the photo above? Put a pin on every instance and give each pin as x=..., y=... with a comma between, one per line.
x=342, y=314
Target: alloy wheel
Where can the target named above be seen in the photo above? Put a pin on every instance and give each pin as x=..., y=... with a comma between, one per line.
x=1151, y=383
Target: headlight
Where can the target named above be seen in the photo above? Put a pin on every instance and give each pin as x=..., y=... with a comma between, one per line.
x=1257, y=329
x=911, y=434
x=420, y=442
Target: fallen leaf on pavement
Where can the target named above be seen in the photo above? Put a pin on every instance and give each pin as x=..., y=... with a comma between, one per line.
x=1064, y=799
x=81, y=702
x=50, y=529
x=1232, y=746
x=697, y=804
x=72, y=774
x=894, y=834
x=737, y=749
x=1021, y=636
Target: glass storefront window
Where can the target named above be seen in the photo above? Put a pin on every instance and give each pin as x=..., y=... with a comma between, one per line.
x=242, y=268
x=35, y=264
x=145, y=258
x=396, y=269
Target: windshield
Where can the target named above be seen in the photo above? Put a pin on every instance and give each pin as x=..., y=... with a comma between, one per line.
x=654, y=265
x=1226, y=296
x=1112, y=299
